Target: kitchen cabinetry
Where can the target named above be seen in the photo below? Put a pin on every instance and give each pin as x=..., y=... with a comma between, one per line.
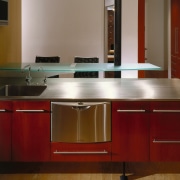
x=31, y=131
x=165, y=131
x=175, y=39
x=130, y=131
x=81, y=152
x=5, y=130
x=81, y=131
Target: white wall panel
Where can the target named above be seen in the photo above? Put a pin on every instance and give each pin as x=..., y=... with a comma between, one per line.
x=66, y=28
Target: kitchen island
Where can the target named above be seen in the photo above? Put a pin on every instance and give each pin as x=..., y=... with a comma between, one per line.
x=144, y=126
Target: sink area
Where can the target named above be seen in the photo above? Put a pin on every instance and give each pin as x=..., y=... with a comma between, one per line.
x=22, y=90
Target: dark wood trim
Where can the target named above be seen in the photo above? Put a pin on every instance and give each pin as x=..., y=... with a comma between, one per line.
x=117, y=48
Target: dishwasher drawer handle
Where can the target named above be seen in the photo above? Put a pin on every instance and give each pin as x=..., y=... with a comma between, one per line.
x=166, y=141
x=80, y=108
x=129, y=110
x=28, y=110
x=80, y=152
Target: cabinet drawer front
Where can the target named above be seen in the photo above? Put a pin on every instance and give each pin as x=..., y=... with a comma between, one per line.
x=165, y=131
x=130, y=131
x=92, y=152
x=132, y=105
x=31, y=131
x=165, y=150
x=31, y=106
x=165, y=137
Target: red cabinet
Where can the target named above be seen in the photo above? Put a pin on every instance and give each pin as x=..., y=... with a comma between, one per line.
x=31, y=131
x=165, y=131
x=175, y=38
x=5, y=130
x=130, y=131
x=81, y=152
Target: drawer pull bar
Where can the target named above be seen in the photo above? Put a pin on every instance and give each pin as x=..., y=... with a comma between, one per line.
x=133, y=110
x=2, y=110
x=165, y=141
x=28, y=110
x=161, y=110
x=81, y=152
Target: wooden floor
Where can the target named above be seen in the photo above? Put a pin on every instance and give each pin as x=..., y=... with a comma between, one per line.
x=89, y=171
x=84, y=177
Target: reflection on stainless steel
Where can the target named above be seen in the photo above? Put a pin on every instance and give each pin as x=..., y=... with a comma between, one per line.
x=79, y=89
x=83, y=122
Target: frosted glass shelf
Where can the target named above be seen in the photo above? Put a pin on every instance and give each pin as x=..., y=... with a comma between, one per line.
x=60, y=67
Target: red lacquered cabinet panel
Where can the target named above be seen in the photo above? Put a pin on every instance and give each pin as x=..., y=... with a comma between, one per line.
x=175, y=38
x=81, y=152
x=130, y=131
x=31, y=131
x=175, y=27
x=5, y=130
x=165, y=131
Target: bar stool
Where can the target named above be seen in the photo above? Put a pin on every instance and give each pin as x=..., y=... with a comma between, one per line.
x=84, y=74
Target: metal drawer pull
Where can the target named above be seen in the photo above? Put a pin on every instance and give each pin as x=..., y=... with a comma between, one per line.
x=133, y=110
x=165, y=141
x=160, y=110
x=28, y=110
x=80, y=152
x=2, y=110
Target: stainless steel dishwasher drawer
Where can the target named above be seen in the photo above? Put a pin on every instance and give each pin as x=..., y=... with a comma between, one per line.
x=80, y=122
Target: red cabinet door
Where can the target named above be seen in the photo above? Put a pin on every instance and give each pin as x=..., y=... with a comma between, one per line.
x=130, y=131
x=165, y=131
x=5, y=130
x=31, y=131
x=175, y=27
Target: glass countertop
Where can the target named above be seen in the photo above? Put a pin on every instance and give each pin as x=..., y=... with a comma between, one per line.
x=78, y=67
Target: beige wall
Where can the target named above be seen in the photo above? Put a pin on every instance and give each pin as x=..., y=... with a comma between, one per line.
x=10, y=36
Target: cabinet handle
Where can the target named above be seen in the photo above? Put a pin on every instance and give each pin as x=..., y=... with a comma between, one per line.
x=166, y=111
x=80, y=152
x=133, y=110
x=28, y=110
x=165, y=141
x=2, y=110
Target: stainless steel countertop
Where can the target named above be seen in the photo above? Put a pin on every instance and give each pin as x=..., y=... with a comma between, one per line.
x=107, y=89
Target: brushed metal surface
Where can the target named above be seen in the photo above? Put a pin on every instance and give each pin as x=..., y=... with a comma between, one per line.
x=80, y=122
x=93, y=89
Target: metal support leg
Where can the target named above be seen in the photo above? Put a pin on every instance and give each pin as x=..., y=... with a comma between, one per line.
x=124, y=177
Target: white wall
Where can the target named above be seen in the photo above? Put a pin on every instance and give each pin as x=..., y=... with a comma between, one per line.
x=156, y=32
x=66, y=28
x=71, y=28
x=129, y=35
